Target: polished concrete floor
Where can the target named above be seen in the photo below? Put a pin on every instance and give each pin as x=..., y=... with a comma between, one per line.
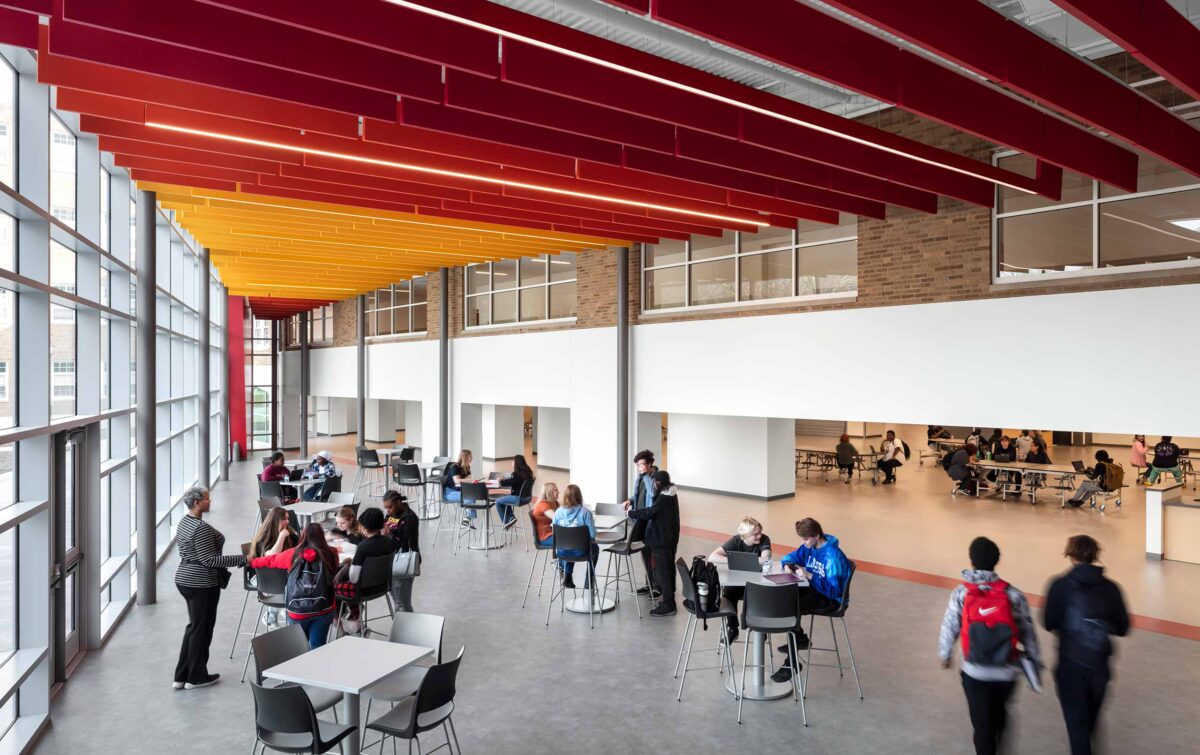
x=528, y=688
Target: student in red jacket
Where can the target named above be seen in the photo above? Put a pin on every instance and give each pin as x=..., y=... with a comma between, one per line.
x=309, y=596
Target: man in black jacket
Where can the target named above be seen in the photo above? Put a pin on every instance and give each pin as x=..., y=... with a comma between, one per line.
x=662, y=538
x=1084, y=608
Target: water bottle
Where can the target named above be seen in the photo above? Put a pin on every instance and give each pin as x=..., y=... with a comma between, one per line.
x=766, y=567
x=702, y=591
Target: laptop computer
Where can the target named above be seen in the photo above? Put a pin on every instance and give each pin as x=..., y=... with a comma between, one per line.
x=1079, y=467
x=295, y=474
x=740, y=561
x=494, y=475
x=872, y=449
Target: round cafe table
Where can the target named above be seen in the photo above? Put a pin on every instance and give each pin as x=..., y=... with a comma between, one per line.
x=759, y=686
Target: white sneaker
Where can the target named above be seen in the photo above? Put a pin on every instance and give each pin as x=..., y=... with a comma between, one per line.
x=177, y=685
x=350, y=626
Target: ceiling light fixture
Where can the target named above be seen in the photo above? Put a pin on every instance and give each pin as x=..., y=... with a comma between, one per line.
x=1189, y=224
x=452, y=174
x=1147, y=226
x=693, y=90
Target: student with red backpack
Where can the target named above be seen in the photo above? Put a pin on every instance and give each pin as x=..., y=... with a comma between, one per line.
x=993, y=620
x=311, y=567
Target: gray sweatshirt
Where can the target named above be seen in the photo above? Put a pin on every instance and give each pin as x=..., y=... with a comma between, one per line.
x=952, y=626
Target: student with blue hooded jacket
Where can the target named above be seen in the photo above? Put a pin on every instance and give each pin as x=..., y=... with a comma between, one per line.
x=821, y=559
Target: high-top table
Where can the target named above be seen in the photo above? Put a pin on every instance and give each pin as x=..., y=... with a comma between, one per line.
x=585, y=603
x=306, y=510
x=349, y=665
x=760, y=687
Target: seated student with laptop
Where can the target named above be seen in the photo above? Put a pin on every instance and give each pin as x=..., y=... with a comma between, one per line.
x=742, y=552
x=821, y=561
x=1106, y=477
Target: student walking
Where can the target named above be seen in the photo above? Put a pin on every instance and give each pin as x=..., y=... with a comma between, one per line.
x=1084, y=608
x=992, y=618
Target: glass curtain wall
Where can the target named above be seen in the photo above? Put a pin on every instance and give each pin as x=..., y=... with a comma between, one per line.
x=68, y=369
x=507, y=292
x=398, y=309
x=260, y=383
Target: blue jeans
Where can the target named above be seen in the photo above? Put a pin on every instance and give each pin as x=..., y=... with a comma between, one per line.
x=504, y=506
x=317, y=628
x=313, y=492
x=568, y=567
x=451, y=495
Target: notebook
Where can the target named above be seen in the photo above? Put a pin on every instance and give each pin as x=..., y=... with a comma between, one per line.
x=783, y=579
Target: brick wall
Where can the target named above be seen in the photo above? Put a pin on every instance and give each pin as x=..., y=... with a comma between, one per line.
x=345, y=322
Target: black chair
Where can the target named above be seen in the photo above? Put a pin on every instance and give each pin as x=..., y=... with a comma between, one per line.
x=577, y=539
x=524, y=496
x=431, y=707
x=279, y=645
x=374, y=582
x=838, y=612
x=367, y=460
x=248, y=586
x=271, y=585
x=422, y=630
x=284, y=721
x=408, y=477
x=407, y=454
x=271, y=489
x=697, y=615
x=773, y=609
x=330, y=486
x=475, y=498
x=266, y=461
x=538, y=550
x=621, y=553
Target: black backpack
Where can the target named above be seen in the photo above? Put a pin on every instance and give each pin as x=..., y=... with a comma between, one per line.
x=947, y=459
x=1088, y=638
x=703, y=571
x=309, y=586
x=447, y=478
x=907, y=453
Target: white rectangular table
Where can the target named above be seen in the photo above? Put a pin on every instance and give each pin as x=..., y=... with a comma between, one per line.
x=760, y=687
x=306, y=510
x=609, y=521
x=349, y=665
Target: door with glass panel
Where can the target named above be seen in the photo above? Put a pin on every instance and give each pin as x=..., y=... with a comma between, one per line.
x=66, y=580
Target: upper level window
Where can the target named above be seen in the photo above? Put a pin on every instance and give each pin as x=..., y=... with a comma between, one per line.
x=62, y=171
x=8, y=124
x=398, y=309
x=105, y=209
x=1095, y=227
x=320, y=325
x=813, y=259
x=510, y=291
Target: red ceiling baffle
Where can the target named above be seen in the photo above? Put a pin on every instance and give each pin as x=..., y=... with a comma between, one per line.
x=235, y=395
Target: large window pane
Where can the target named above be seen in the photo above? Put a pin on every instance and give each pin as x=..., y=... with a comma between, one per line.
x=533, y=303
x=62, y=267
x=562, y=300
x=418, y=318
x=665, y=288
x=767, y=238
x=105, y=393
x=1159, y=228
x=62, y=172
x=478, y=311
x=667, y=252
x=712, y=282
x=105, y=214
x=8, y=475
x=8, y=359
x=8, y=124
x=809, y=232
x=827, y=269
x=707, y=247
x=1076, y=188
x=562, y=267
x=8, y=598
x=418, y=290
x=400, y=320
x=401, y=294
x=504, y=275
x=105, y=518
x=533, y=271
x=479, y=279
x=766, y=276
x=1045, y=242
x=1153, y=174
x=383, y=322
x=62, y=361
x=504, y=307
x=8, y=241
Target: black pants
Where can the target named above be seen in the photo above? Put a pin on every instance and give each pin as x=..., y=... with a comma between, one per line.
x=639, y=532
x=1081, y=693
x=847, y=468
x=988, y=704
x=664, y=572
x=811, y=602
x=888, y=467
x=734, y=595
x=202, y=615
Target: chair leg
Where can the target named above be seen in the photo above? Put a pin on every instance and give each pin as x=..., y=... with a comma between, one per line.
x=687, y=657
x=796, y=690
x=559, y=576
x=529, y=582
x=836, y=649
x=745, y=657
x=542, y=578
x=253, y=634
x=683, y=643
x=450, y=720
x=808, y=658
x=595, y=595
x=237, y=632
x=853, y=665
x=632, y=590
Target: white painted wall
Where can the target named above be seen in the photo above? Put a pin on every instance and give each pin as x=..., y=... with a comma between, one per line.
x=553, y=437
x=503, y=431
x=471, y=431
x=334, y=371
x=413, y=425
x=732, y=454
x=380, y=415
x=648, y=433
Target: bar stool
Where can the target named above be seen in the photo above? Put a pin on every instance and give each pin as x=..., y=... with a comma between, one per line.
x=538, y=550
x=697, y=614
x=836, y=613
x=621, y=553
x=474, y=497
x=524, y=498
x=773, y=609
x=368, y=464
x=408, y=477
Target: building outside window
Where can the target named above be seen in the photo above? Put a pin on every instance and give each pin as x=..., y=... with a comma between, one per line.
x=105, y=209
x=398, y=309
x=260, y=384
x=813, y=260
x=527, y=289
x=62, y=171
x=8, y=124
x=1095, y=228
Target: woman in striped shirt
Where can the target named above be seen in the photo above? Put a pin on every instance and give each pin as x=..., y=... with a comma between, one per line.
x=198, y=579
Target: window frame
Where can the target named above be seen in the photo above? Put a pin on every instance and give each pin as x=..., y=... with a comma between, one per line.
x=516, y=290
x=372, y=312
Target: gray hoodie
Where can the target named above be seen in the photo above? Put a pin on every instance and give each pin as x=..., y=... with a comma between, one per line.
x=952, y=626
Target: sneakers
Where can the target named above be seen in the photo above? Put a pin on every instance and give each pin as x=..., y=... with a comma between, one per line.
x=663, y=610
x=801, y=644
x=208, y=681
x=888, y=480
x=468, y=522
x=568, y=583
x=785, y=674
x=651, y=591
x=177, y=685
x=509, y=524
x=847, y=479
x=731, y=635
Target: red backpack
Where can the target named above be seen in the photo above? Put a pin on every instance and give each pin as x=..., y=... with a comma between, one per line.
x=989, y=632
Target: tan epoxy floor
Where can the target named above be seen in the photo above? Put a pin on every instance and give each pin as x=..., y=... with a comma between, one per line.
x=916, y=524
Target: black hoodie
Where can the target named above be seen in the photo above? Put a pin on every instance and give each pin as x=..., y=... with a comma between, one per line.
x=1100, y=601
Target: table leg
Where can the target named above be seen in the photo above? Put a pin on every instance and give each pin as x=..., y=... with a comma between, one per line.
x=761, y=687
x=350, y=716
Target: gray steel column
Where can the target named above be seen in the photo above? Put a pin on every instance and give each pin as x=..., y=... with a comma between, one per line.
x=622, y=374
x=444, y=361
x=362, y=369
x=204, y=472
x=304, y=385
x=224, y=409
x=147, y=427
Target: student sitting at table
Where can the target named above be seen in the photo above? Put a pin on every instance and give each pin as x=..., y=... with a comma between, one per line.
x=322, y=467
x=962, y=468
x=457, y=472
x=937, y=432
x=847, y=456
x=1166, y=459
x=749, y=538
x=1004, y=450
x=1097, y=481
x=309, y=599
x=821, y=561
x=572, y=513
x=404, y=527
x=374, y=543
x=274, y=535
x=891, y=456
x=1037, y=453
x=662, y=538
x=521, y=473
x=994, y=440
x=1137, y=456
x=543, y=513
x=276, y=470
x=1024, y=441
x=347, y=526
